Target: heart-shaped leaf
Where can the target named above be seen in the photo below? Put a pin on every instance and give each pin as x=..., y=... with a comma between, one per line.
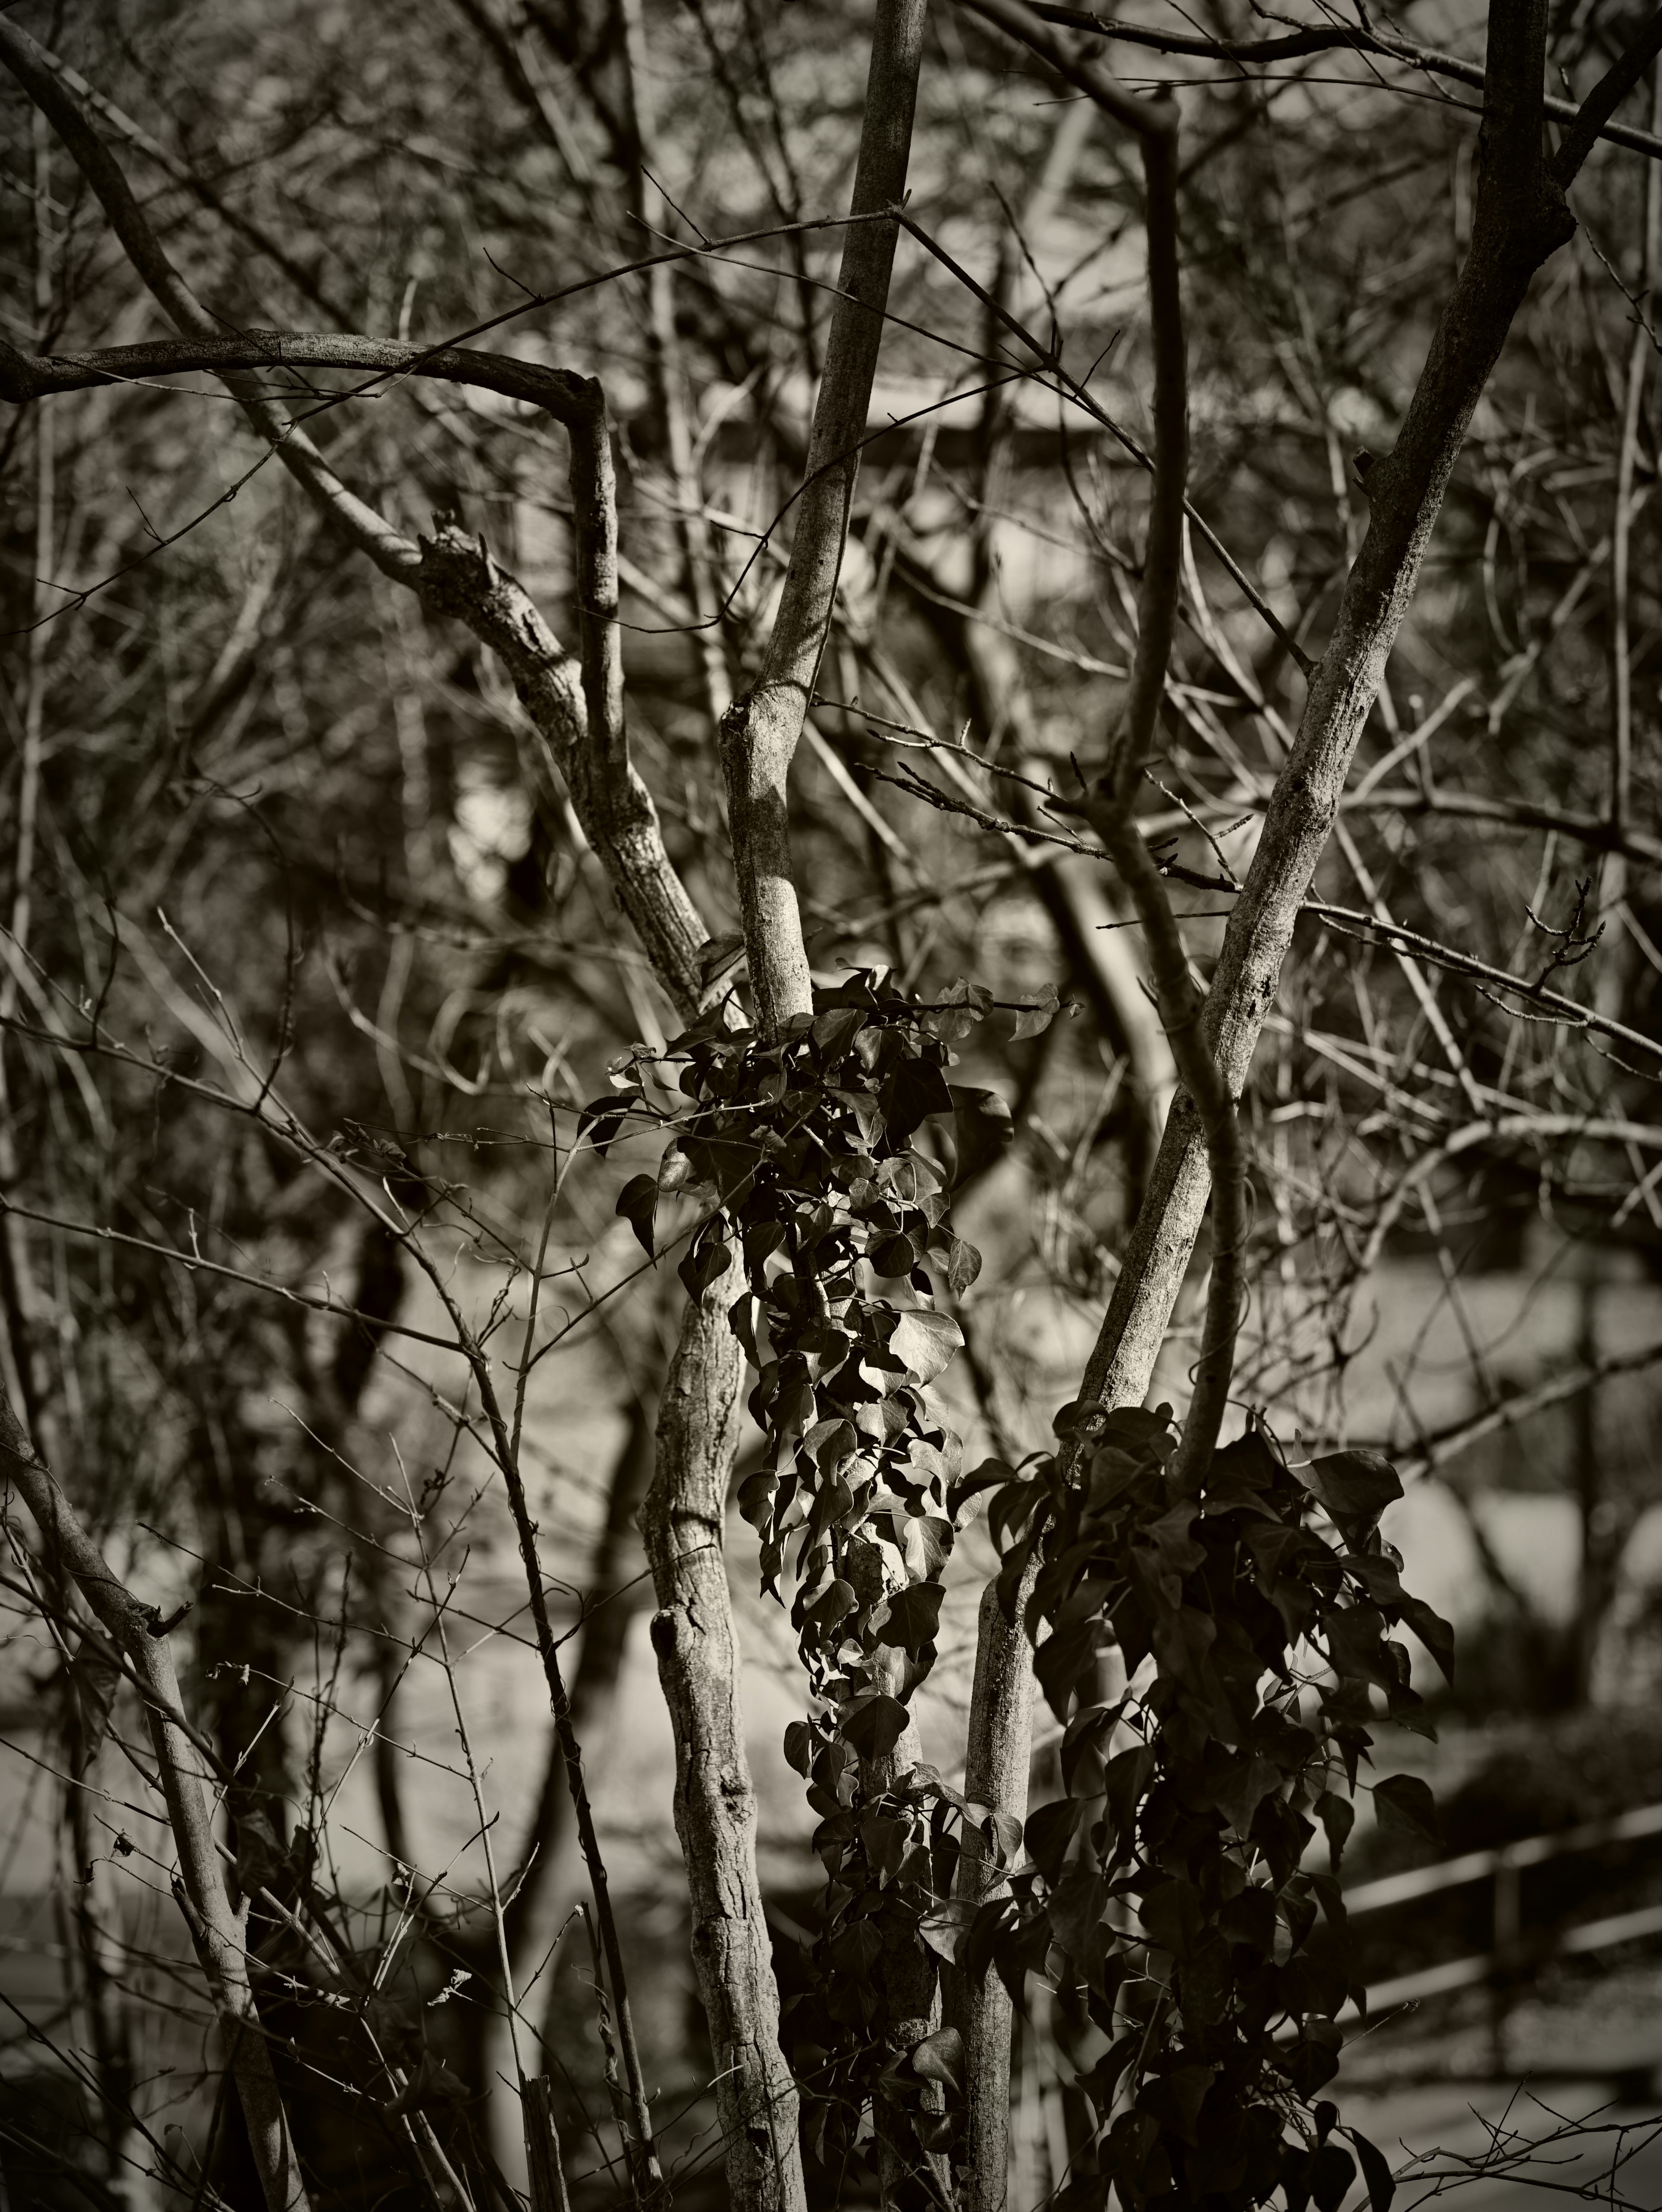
x=874, y=1726
x=914, y=1617
x=939, y=2058
x=1354, y=1486
x=1402, y=1802
x=924, y=1342
x=638, y=1204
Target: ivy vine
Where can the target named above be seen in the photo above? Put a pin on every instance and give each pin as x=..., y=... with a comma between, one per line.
x=1252, y=1617
x=1166, y=1893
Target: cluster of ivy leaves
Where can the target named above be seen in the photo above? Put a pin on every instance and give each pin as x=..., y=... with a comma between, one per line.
x=1166, y=1893
x=1169, y=1886
x=829, y=1157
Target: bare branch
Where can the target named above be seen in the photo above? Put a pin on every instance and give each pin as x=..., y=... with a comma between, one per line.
x=1328, y=38
x=216, y=1927
x=761, y=729
x=1521, y=219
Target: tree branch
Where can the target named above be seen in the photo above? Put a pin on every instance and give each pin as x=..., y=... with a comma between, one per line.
x=1110, y=809
x=761, y=729
x=1320, y=38
x=682, y=1521
x=215, y=1926
x=1519, y=220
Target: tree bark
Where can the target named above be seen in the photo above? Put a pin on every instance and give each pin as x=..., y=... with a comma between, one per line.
x=216, y=1925
x=576, y=706
x=694, y=1637
x=1521, y=219
x=995, y=1773
x=761, y=731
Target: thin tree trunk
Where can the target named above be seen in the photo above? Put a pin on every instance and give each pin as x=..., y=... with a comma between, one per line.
x=1521, y=219
x=612, y=1600
x=577, y=712
x=995, y=1770
x=216, y=1927
x=761, y=731
x=693, y=1634
x=552, y=1863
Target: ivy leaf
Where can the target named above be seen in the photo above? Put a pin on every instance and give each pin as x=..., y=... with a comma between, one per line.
x=963, y=1005
x=856, y=1950
x=638, y=1204
x=1313, y=2060
x=1032, y=1021
x=963, y=1266
x=944, y=1929
x=604, y=1117
x=982, y=1939
x=1381, y=2185
x=1067, y=1655
x=1432, y=1631
x=1354, y=1486
x=893, y=1256
x=939, y=2058
x=925, y=1342
x=1248, y=1782
x=926, y=1541
x=1047, y=1833
x=760, y=1239
x=798, y=1747
x=704, y=1267
x=833, y=1033
x=833, y=1604
x=914, y=1617
x=915, y=1090
x=1077, y=1906
x=874, y=1726
x=962, y=1494
x=982, y=1129
x=886, y=1841
x=1402, y=1802
x=1332, y=2173
x=1355, y=1644
x=1173, y=1916
x=1338, y=1816
x=1250, y=1918
x=831, y=1442
x=1088, y=1732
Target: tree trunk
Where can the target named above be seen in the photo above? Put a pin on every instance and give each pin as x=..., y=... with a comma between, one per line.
x=995, y=1770
x=693, y=1634
x=216, y=1928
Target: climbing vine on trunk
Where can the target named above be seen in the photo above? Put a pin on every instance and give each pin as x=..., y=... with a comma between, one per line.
x=1251, y=1601
x=1253, y=1609
x=814, y=1153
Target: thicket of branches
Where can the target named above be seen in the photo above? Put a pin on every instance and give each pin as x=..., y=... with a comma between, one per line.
x=713, y=707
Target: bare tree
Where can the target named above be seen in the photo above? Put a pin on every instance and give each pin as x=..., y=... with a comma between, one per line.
x=811, y=1142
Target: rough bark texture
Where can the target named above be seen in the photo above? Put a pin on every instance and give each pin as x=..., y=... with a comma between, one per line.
x=995, y=1770
x=542, y=2148
x=683, y=1523
x=216, y=1925
x=760, y=732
